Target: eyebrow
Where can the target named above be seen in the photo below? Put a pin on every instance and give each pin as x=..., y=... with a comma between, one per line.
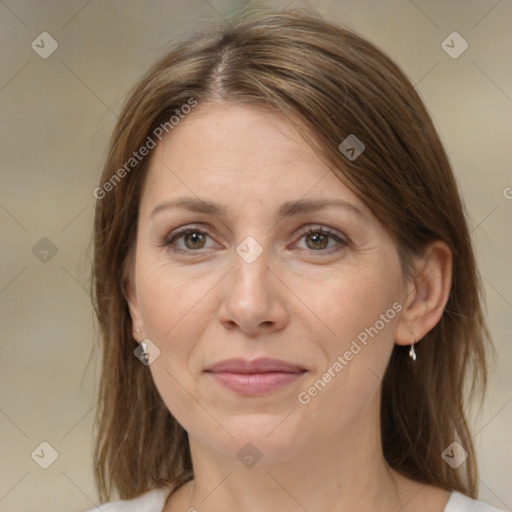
x=287, y=209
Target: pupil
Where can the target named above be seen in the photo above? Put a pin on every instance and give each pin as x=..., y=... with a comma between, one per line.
x=316, y=238
x=194, y=238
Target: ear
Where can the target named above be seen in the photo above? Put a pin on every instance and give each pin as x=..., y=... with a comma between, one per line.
x=427, y=294
x=133, y=306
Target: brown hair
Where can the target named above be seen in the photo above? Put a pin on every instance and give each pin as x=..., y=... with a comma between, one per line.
x=336, y=84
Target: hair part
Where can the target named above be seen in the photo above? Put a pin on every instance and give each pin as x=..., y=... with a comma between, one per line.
x=330, y=83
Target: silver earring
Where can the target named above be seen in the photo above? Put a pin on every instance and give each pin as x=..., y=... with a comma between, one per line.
x=145, y=352
x=412, y=353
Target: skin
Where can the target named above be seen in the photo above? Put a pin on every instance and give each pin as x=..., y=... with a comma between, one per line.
x=295, y=302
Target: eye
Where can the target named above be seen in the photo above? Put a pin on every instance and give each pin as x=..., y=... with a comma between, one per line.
x=317, y=240
x=193, y=239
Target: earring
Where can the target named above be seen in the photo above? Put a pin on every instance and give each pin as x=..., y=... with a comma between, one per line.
x=145, y=352
x=412, y=352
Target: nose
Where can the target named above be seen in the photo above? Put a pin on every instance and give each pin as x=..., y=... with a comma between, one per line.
x=254, y=297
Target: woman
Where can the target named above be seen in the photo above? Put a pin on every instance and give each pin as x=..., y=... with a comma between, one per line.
x=285, y=284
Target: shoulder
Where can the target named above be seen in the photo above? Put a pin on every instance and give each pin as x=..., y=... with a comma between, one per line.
x=151, y=501
x=460, y=503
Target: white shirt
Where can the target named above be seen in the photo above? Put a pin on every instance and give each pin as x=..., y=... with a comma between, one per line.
x=154, y=501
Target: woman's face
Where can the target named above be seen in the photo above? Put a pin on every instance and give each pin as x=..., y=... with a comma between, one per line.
x=261, y=273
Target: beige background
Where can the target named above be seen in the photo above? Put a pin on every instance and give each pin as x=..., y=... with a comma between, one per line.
x=56, y=116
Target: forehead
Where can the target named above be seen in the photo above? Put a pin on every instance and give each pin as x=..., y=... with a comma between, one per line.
x=239, y=155
x=228, y=135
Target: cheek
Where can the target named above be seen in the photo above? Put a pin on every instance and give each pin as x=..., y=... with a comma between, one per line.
x=361, y=311
x=172, y=303
x=175, y=310
x=174, y=316
x=361, y=305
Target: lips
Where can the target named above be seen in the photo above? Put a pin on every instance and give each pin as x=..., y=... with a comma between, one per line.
x=262, y=365
x=256, y=377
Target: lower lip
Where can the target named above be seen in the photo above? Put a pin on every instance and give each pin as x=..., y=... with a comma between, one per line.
x=252, y=384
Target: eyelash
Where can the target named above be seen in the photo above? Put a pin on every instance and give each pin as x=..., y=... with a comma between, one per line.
x=191, y=229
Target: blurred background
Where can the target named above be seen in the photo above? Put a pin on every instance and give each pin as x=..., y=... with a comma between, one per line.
x=66, y=69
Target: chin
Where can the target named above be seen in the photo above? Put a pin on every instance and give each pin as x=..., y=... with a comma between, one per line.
x=260, y=439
